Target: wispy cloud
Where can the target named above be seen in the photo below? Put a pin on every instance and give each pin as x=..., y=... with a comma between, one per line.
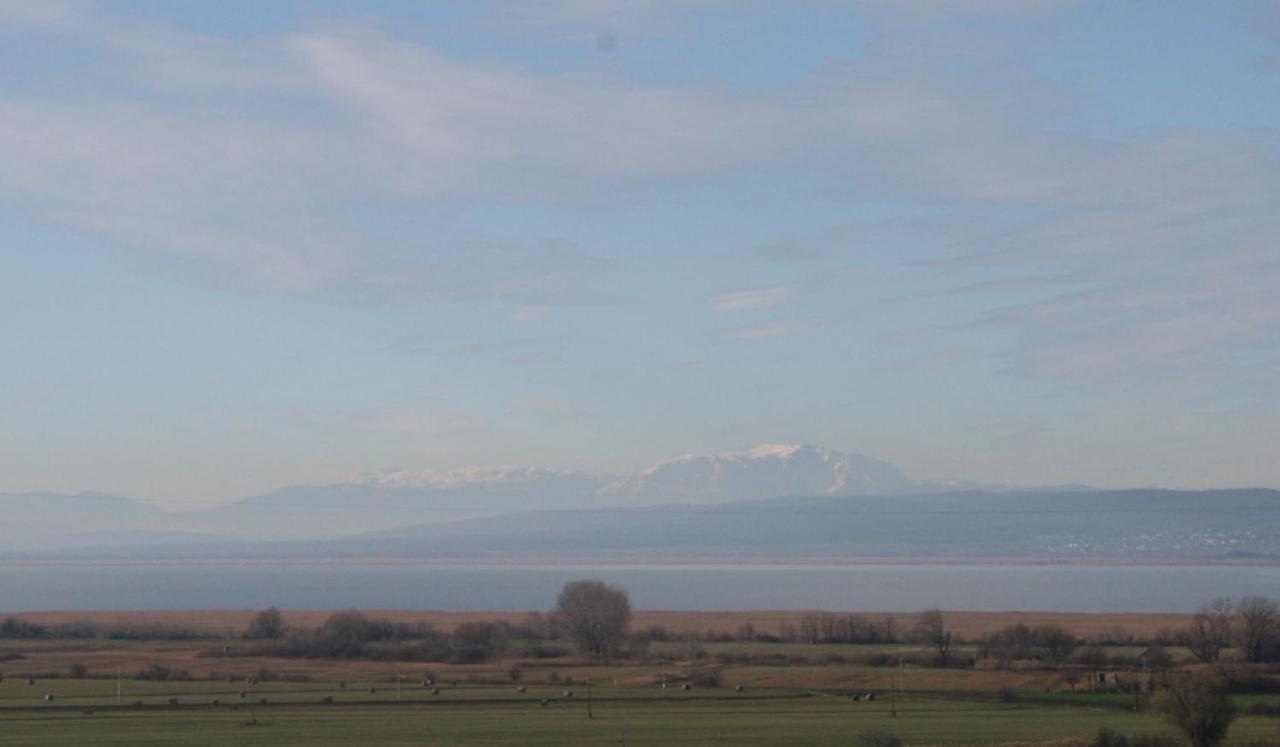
x=754, y=299
x=545, y=407
x=1171, y=232
x=765, y=331
x=423, y=421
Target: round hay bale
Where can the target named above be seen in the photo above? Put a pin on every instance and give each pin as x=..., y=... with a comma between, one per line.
x=48, y=698
x=521, y=690
x=686, y=686
x=568, y=693
x=738, y=688
x=545, y=701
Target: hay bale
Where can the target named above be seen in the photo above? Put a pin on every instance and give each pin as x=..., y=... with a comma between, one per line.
x=48, y=698
x=738, y=688
x=568, y=693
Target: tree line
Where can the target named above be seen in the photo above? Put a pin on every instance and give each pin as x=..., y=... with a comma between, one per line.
x=590, y=615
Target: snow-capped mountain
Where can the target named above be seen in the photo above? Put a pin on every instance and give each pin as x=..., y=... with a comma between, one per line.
x=535, y=479
x=390, y=499
x=769, y=471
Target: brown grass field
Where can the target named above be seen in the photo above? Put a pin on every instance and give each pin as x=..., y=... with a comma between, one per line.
x=102, y=657
x=964, y=624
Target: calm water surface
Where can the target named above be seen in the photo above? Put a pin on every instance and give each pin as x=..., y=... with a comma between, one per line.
x=1082, y=588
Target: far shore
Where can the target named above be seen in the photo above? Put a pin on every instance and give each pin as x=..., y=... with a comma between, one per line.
x=644, y=561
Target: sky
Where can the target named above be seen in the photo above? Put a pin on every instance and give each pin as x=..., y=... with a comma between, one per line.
x=246, y=245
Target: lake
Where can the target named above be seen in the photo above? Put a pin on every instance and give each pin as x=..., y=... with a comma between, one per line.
x=513, y=586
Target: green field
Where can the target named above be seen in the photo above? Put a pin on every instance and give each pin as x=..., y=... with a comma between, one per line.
x=82, y=713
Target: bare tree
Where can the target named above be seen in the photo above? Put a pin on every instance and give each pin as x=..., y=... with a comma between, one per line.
x=932, y=629
x=1200, y=709
x=1056, y=641
x=1259, y=628
x=1210, y=631
x=268, y=623
x=594, y=615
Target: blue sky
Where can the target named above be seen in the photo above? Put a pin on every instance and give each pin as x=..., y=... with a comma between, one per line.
x=246, y=245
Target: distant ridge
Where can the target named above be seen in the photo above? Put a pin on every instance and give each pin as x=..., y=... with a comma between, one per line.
x=775, y=500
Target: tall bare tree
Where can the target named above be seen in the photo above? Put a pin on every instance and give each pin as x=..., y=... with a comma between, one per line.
x=1057, y=642
x=594, y=614
x=932, y=629
x=1258, y=629
x=268, y=623
x=1210, y=631
x=1200, y=709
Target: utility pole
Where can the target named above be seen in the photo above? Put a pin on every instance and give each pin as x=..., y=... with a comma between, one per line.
x=397, y=680
x=893, y=693
x=589, y=698
x=118, y=702
x=1143, y=685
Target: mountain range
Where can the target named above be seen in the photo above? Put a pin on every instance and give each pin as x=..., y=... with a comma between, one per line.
x=387, y=500
x=771, y=501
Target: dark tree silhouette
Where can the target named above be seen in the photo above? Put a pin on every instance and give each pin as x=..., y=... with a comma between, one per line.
x=1210, y=631
x=1258, y=628
x=268, y=623
x=594, y=614
x=1200, y=709
x=932, y=629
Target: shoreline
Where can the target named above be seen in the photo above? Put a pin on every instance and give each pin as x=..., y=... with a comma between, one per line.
x=687, y=561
